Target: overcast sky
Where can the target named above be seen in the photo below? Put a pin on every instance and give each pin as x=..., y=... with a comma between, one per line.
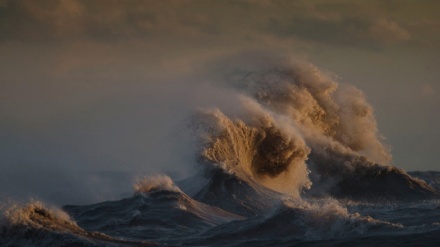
x=107, y=85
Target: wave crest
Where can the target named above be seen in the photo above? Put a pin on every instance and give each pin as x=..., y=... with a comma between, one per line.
x=153, y=183
x=320, y=106
x=35, y=214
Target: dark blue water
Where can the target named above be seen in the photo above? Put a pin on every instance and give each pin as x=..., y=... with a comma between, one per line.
x=238, y=214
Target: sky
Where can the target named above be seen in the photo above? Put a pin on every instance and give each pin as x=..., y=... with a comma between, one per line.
x=101, y=85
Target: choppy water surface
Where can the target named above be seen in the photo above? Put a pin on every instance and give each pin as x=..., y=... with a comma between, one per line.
x=160, y=213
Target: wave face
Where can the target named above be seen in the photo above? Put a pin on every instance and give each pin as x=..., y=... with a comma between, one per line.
x=255, y=151
x=234, y=194
x=298, y=160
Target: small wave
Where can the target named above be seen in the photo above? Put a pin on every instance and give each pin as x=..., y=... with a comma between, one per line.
x=37, y=215
x=152, y=183
x=328, y=218
x=36, y=224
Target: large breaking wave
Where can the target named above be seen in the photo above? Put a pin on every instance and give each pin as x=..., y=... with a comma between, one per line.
x=296, y=129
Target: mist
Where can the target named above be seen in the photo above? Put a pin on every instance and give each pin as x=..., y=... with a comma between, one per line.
x=91, y=135
x=130, y=125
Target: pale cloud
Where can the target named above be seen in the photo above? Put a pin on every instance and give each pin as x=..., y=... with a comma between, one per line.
x=100, y=20
x=354, y=27
x=338, y=23
x=388, y=32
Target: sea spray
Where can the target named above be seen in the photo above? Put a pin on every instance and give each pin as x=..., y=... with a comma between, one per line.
x=35, y=214
x=320, y=106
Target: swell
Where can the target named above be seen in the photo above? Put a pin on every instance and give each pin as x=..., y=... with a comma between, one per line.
x=298, y=221
x=354, y=177
x=161, y=213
